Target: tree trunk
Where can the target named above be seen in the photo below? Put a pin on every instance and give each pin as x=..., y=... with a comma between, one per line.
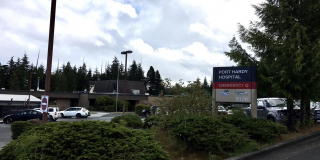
x=303, y=111
x=290, y=115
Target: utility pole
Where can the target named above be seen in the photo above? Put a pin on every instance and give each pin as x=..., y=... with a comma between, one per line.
x=50, y=49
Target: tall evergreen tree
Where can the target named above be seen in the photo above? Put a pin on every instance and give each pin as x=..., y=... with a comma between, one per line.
x=286, y=40
x=151, y=75
x=158, y=83
x=132, y=72
x=114, y=68
x=96, y=75
x=140, y=73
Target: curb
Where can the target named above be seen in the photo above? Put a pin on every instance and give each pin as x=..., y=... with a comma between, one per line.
x=256, y=154
x=122, y=113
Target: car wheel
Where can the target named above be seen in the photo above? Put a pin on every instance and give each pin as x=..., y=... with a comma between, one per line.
x=86, y=117
x=62, y=116
x=78, y=115
x=9, y=121
x=271, y=119
x=51, y=118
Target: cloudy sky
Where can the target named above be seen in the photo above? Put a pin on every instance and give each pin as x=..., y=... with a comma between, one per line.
x=182, y=39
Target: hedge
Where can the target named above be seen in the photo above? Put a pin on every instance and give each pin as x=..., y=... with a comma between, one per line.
x=19, y=127
x=83, y=140
x=258, y=129
x=140, y=107
x=205, y=133
x=132, y=121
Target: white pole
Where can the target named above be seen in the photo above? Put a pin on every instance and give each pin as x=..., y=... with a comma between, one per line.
x=117, y=88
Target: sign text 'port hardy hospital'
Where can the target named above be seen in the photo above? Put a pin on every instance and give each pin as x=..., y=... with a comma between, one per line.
x=243, y=77
x=231, y=74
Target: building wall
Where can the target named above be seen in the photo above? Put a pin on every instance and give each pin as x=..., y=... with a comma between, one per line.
x=63, y=103
x=84, y=100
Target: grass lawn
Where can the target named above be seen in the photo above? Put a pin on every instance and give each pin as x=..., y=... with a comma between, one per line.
x=179, y=151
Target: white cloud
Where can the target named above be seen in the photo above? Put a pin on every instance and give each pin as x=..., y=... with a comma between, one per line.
x=182, y=39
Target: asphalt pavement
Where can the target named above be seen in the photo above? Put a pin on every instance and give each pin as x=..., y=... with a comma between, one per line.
x=306, y=150
x=5, y=135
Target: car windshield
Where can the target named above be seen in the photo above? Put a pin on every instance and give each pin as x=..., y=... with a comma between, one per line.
x=275, y=103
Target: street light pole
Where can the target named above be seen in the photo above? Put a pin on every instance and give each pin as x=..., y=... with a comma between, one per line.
x=125, y=80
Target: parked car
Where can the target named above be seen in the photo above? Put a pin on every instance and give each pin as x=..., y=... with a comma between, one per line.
x=221, y=110
x=315, y=113
x=53, y=113
x=23, y=116
x=78, y=112
x=272, y=109
x=154, y=110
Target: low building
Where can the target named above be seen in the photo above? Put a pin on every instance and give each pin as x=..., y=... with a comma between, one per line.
x=135, y=91
x=12, y=103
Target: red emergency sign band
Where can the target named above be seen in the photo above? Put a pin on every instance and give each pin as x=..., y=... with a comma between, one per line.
x=234, y=85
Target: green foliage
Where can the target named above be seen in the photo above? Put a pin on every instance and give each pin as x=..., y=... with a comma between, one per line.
x=108, y=104
x=140, y=107
x=259, y=129
x=190, y=100
x=152, y=121
x=205, y=133
x=120, y=105
x=83, y=140
x=286, y=42
x=104, y=100
x=19, y=127
x=132, y=121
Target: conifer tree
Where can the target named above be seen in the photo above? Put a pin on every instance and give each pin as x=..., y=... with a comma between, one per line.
x=286, y=42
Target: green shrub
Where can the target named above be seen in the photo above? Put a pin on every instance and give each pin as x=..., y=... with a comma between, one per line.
x=92, y=108
x=83, y=140
x=205, y=133
x=120, y=105
x=19, y=127
x=152, y=121
x=140, y=107
x=104, y=100
x=258, y=129
x=109, y=108
x=132, y=121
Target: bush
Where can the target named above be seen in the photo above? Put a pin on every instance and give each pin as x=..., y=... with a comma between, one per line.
x=258, y=129
x=204, y=133
x=140, y=107
x=109, y=108
x=132, y=121
x=120, y=105
x=19, y=127
x=83, y=140
x=152, y=121
x=104, y=100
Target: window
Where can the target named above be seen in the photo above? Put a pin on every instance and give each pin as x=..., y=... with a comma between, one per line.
x=50, y=109
x=260, y=103
x=29, y=112
x=34, y=112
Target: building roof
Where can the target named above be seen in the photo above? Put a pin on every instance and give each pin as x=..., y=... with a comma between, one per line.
x=107, y=86
x=15, y=97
